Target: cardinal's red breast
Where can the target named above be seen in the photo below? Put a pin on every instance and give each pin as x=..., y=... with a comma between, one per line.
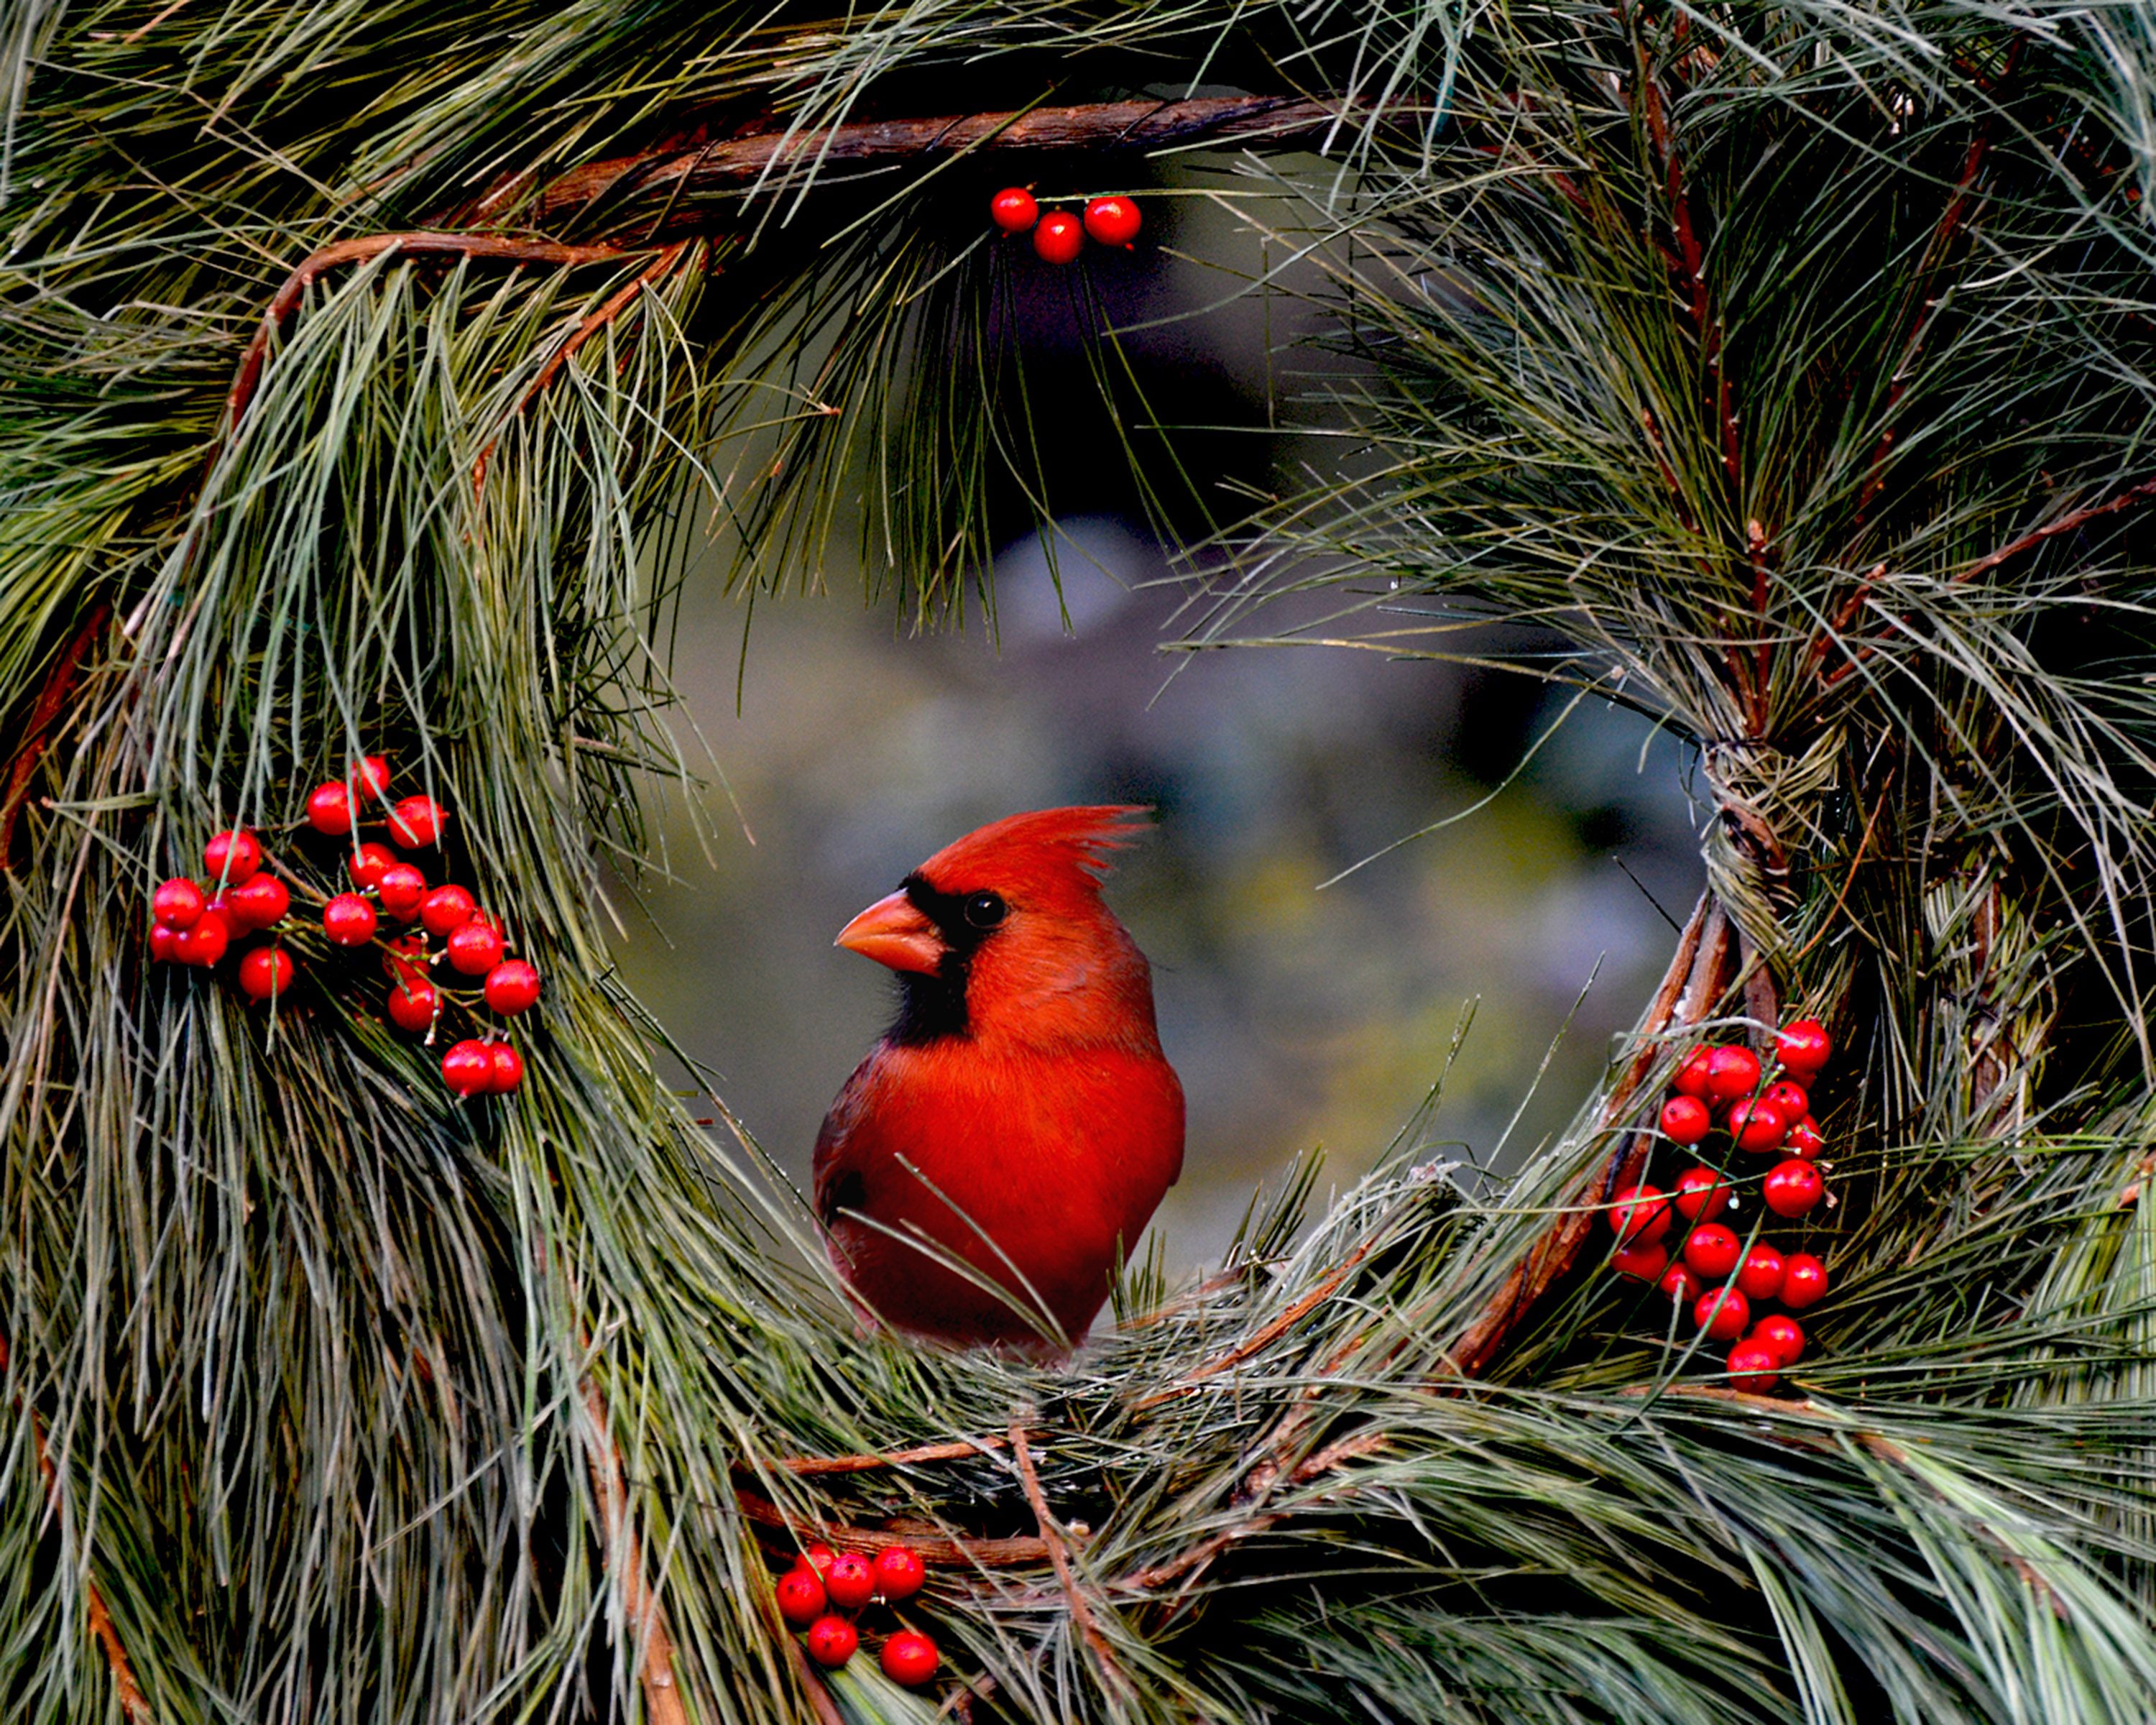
x=1012, y=1131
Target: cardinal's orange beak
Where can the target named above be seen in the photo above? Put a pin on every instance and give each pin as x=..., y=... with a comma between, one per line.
x=892, y=932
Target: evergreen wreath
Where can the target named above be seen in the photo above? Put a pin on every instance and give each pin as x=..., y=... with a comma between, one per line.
x=362, y=365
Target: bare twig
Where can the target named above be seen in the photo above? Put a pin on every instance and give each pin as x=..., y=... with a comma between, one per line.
x=310, y=269
x=643, y=1617
x=662, y=266
x=30, y=747
x=132, y=1702
x=1081, y=1613
x=939, y=1551
x=811, y=1466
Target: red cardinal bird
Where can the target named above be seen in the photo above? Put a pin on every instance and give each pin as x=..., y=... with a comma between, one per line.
x=1019, y=1116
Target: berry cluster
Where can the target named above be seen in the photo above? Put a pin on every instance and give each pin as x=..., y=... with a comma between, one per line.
x=193, y=926
x=826, y=1591
x=1059, y=236
x=1723, y=1089
x=196, y=922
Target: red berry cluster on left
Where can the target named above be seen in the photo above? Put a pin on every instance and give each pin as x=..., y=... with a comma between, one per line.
x=195, y=923
x=1725, y=1088
x=825, y=1591
x=194, y=927
x=1059, y=236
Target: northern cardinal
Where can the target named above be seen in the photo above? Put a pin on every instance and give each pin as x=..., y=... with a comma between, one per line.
x=1019, y=1117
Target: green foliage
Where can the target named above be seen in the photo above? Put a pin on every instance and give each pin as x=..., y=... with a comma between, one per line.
x=343, y=1388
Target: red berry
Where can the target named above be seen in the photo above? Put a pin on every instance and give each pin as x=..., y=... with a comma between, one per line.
x=164, y=943
x=412, y=1004
x=850, y=1581
x=370, y=778
x=1641, y=1261
x=512, y=987
x=265, y=971
x=1757, y=1125
x=475, y=948
x=445, y=909
x=1712, y=1250
x=1804, y=1281
x=800, y=1596
x=899, y=1572
x=1692, y=1076
x=1760, y=1274
x=348, y=920
x=177, y=902
x=1731, y=1073
x=203, y=941
x=819, y=1558
x=232, y=857
x=832, y=1641
x=402, y=887
x=1059, y=238
x=1112, y=221
x=1752, y=1366
x=508, y=1073
x=367, y=864
x=1642, y=1214
x=1723, y=1313
x=1681, y=1284
x=416, y=822
x=1685, y=1119
x=329, y=809
x=261, y=902
x=1013, y=209
x=910, y=1658
x=1793, y=1188
x=1702, y=1191
x=1804, y=1047
x=1806, y=1140
x=1782, y=1335
x=1788, y=1100
x=468, y=1068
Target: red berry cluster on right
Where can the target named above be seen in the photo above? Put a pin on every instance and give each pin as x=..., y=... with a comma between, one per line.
x=1724, y=1089
x=1059, y=236
x=825, y=1591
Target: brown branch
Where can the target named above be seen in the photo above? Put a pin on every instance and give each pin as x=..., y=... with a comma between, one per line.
x=1696, y=976
x=677, y=169
x=132, y=1702
x=59, y=684
x=2052, y=530
x=1081, y=1613
x=286, y=299
x=643, y=1616
x=616, y=303
x=813, y=1466
x=938, y=1551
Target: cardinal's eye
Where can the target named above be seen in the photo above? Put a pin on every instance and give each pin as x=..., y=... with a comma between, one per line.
x=984, y=909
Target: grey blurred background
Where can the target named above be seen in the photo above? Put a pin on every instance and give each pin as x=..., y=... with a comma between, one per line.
x=1299, y=1019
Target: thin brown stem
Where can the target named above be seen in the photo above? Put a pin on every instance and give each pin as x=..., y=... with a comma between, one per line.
x=813, y=1466
x=938, y=1551
x=132, y=1702
x=45, y=713
x=310, y=269
x=1264, y=1337
x=1081, y=1613
x=616, y=303
x=644, y=1620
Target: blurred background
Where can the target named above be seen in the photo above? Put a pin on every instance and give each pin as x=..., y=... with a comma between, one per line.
x=1302, y=1016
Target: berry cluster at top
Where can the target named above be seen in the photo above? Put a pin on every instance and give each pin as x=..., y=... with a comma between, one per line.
x=825, y=1591
x=1059, y=236
x=1725, y=1090
x=195, y=923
